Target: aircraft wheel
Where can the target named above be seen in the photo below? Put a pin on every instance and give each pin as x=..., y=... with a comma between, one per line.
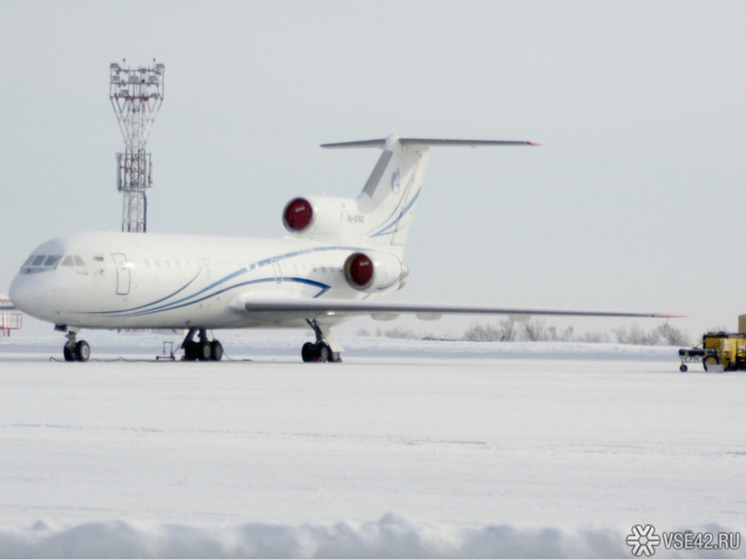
x=82, y=351
x=316, y=353
x=308, y=352
x=69, y=352
x=205, y=351
x=683, y=368
x=216, y=350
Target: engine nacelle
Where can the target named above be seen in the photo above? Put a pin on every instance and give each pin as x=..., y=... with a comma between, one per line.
x=374, y=271
x=321, y=217
x=297, y=215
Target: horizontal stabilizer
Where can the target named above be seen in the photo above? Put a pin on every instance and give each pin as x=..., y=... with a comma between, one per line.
x=426, y=142
x=466, y=143
x=381, y=143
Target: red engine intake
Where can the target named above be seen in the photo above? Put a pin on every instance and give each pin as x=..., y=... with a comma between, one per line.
x=298, y=215
x=359, y=270
x=374, y=271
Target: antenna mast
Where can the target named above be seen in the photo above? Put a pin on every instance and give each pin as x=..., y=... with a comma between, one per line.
x=136, y=95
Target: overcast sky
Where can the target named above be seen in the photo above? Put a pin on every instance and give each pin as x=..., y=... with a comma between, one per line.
x=635, y=201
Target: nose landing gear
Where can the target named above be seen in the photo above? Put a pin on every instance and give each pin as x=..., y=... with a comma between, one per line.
x=74, y=349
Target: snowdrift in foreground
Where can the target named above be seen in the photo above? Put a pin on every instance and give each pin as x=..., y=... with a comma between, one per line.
x=391, y=537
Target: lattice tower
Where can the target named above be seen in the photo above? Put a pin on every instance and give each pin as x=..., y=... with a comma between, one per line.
x=136, y=95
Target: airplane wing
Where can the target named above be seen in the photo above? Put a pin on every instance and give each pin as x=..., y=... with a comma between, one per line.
x=320, y=309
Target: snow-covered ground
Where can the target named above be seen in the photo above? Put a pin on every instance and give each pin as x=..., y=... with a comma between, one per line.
x=407, y=449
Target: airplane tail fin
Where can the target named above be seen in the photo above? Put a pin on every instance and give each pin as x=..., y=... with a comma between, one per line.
x=388, y=199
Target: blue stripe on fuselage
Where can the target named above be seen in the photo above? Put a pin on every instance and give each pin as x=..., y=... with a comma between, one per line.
x=196, y=297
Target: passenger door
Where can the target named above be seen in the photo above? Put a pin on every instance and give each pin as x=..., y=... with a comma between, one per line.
x=123, y=273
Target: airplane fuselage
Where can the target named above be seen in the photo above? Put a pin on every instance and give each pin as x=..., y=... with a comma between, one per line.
x=121, y=280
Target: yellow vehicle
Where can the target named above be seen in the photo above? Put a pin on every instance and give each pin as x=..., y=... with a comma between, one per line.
x=719, y=351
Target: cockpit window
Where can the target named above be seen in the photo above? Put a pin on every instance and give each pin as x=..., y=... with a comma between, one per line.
x=68, y=261
x=78, y=261
x=41, y=263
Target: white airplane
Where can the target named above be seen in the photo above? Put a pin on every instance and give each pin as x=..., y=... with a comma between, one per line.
x=341, y=258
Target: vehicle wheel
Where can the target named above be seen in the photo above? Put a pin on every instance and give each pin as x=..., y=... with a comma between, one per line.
x=82, y=351
x=710, y=361
x=308, y=352
x=683, y=368
x=69, y=352
x=205, y=351
x=216, y=350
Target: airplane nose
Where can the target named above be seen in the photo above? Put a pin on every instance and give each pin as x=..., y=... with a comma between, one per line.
x=23, y=294
x=17, y=293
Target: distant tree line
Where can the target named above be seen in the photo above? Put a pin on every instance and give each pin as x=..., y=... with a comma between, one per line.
x=535, y=330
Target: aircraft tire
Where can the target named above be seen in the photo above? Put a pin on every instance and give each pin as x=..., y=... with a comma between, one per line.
x=82, y=351
x=316, y=353
x=68, y=352
x=308, y=352
x=216, y=350
x=204, y=351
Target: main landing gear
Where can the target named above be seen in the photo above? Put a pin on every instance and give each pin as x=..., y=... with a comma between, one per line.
x=201, y=349
x=74, y=349
x=326, y=349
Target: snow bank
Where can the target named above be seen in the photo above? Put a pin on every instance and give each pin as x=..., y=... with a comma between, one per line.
x=391, y=537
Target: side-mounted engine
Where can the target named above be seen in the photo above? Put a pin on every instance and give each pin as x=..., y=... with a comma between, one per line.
x=374, y=271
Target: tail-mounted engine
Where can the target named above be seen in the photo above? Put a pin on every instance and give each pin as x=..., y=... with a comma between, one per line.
x=298, y=215
x=374, y=271
x=324, y=217
x=335, y=219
